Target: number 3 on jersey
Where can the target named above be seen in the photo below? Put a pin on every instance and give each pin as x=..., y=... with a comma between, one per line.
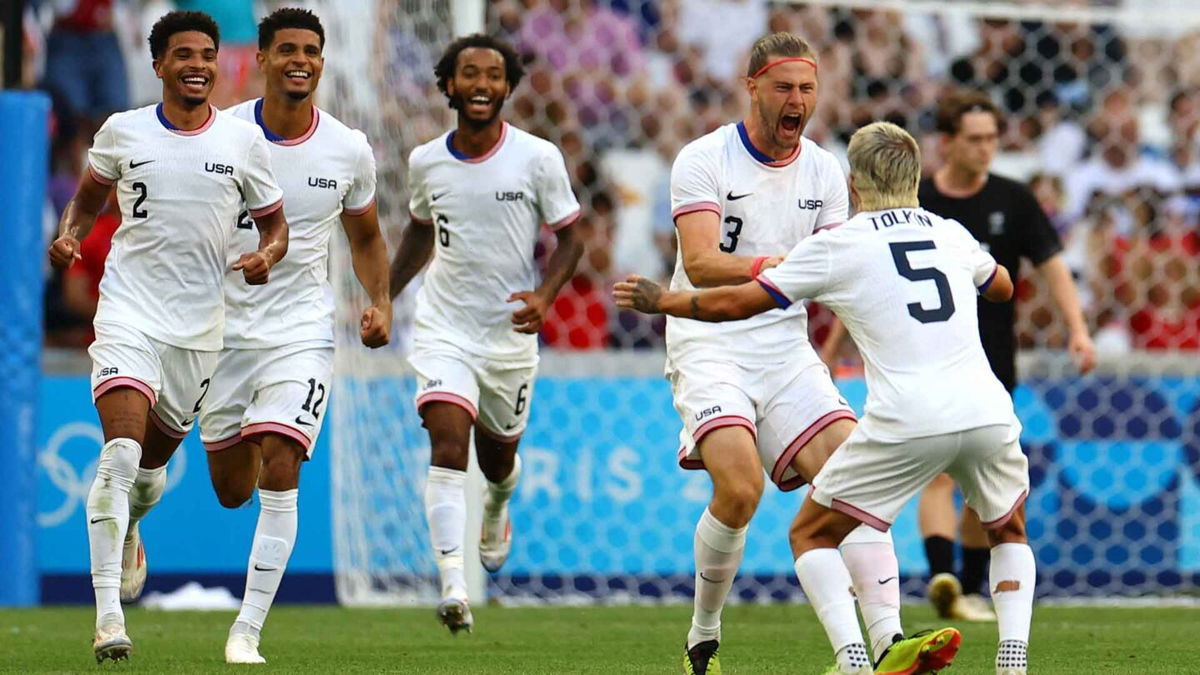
x=945, y=308
x=733, y=234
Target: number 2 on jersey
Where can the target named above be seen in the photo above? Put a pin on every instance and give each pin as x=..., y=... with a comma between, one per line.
x=138, y=211
x=945, y=308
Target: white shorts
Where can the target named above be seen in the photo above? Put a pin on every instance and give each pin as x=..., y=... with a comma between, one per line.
x=175, y=380
x=782, y=405
x=496, y=393
x=872, y=480
x=282, y=390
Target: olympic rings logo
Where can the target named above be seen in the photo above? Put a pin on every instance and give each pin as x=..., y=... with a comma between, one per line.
x=75, y=482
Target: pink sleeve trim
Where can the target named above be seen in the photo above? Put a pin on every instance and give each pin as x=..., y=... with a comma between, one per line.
x=723, y=421
x=797, y=444
x=276, y=428
x=360, y=210
x=267, y=210
x=166, y=428
x=131, y=382
x=421, y=221
x=98, y=178
x=447, y=397
x=860, y=515
x=565, y=221
x=693, y=208
x=828, y=226
x=224, y=443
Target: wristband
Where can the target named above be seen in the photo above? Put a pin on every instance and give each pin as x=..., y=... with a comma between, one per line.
x=756, y=266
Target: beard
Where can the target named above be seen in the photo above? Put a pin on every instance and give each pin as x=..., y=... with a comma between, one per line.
x=460, y=104
x=298, y=95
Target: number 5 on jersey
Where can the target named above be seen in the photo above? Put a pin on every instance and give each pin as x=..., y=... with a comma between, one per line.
x=945, y=308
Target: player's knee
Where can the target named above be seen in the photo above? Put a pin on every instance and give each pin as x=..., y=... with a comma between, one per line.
x=281, y=459
x=231, y=494
x=740, y=500
x=450, y=453
x=1012, y=532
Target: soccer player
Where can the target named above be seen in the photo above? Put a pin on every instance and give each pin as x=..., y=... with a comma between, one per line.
x=904, y=282
x=1005, y=218
x=753, y=394
x=272, y=384
x=182, y=173
x=480, y=193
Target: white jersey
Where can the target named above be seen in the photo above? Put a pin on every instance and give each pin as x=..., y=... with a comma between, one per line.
x=180, y=193
x=766, y=207
x=328, y=171
x=904, y=281
x=487, y=211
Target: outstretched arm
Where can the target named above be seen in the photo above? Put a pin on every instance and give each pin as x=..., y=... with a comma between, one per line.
x=77, y=220
x=368, y=255
x=723, y=303
x=416, y=247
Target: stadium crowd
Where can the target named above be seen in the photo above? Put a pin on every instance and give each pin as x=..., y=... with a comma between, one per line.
x=1101, y=120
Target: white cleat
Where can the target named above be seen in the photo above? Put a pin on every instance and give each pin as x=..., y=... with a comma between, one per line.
x=495, y=540
x=111, y=642
x=944, y=592
x=1011, y=671
x=133, y=566
x=242, y=648
x=455, y=614
x=974, y=607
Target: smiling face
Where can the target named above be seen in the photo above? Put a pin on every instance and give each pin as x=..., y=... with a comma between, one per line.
x=783, y=99
x=479, y=86
x=293, y=63
x=188, y=67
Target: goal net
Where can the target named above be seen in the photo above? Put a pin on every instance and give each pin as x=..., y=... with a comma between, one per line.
x=1102, y=116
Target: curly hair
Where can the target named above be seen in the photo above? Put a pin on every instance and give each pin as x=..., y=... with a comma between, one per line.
x=181, y=22
x=514, y=70
x=288, y=17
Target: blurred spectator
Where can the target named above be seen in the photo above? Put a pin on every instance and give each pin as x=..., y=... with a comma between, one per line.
x=85, y=71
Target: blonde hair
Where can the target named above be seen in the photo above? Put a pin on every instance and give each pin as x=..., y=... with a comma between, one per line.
x=885, y=163
x=777, y=45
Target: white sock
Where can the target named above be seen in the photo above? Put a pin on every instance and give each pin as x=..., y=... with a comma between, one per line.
x=718, y=550
x=107, y=513
x=446, y=513
x=853, y=659
x=498, y=494
x=826, y=582
x=147, y=490
x=871, y=559
x=1012, y=576
x=273, y=541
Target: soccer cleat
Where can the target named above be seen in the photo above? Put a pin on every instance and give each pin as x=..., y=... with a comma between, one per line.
x=495, y=540
x=702, y=659
x=133, y=566
x=973, y=607
x=455, y=614
x=837, y=670
x=1011, y=671
x=924, y=652
x=944, y=591
x=242, y=648
x=111, y=642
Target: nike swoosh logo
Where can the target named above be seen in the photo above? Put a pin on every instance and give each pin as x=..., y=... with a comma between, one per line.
x=100, y=519
x=134, y=165
x=302, y=423
x=447, y=551
x=434, y=198
x=733, y=198
x=711, y=581
x=509, y=426
x=884, y=581
x=260, y=568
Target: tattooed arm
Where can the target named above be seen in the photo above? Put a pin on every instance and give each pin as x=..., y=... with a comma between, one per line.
x=723, y=303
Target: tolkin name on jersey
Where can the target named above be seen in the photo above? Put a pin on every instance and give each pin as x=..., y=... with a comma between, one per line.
x=510, y=196
x=327, y=183
x=223, y=169
x=900, y=217
x=811, y=204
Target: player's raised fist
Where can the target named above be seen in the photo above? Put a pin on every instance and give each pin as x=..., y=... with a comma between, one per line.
x=529, y=319
x=376, y=326
x=64, y=251
x=255, y=267
x=638, y=293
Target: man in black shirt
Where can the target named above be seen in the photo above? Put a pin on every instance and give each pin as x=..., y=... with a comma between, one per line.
x=1006, y=219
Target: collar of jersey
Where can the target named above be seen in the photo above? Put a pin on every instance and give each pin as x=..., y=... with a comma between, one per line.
x=481, y=158
x=212, y=116
x=759, y=155
x=280, y=140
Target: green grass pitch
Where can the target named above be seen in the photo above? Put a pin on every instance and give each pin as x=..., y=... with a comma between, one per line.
x=758, y=639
